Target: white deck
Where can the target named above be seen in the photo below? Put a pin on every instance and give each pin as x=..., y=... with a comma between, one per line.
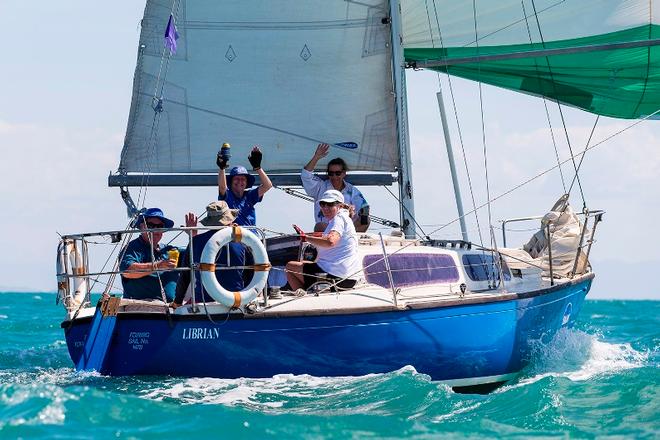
x=367, y=297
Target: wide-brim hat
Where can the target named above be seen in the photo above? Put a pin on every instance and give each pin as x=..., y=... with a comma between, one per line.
x=332, y=196
x=240, y=171
x=153, y=213
x=219, y=214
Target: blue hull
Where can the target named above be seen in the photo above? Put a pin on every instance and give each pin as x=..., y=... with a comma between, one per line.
x=461, y=341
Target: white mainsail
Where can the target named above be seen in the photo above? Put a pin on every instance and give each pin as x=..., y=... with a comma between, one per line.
x=282, y=74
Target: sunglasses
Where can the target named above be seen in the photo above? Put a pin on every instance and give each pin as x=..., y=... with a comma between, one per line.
x=151, y=225
x=327, y=204
x=335, y=173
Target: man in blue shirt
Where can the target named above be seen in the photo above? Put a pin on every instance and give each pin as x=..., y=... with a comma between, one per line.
x=217, y=214
x=143, y=276
x=235, y=188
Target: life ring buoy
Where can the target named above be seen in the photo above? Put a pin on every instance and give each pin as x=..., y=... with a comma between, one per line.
x=71, y=298
x=207, y=266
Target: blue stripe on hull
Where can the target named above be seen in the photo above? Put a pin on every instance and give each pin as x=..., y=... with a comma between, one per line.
x=447, y=343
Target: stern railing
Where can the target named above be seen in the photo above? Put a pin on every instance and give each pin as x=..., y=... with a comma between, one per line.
x=596, y=217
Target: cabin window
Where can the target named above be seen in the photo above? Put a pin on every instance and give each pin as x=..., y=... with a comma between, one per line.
x=483, y=267
x=410, y=269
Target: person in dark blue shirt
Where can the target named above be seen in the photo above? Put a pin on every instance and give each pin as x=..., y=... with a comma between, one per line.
x=217, y=214
x=235, y=188
x=141, y=275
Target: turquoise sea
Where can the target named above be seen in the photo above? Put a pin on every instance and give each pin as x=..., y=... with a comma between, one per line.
x=599, y=379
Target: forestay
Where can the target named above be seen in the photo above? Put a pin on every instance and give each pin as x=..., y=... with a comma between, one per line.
x=283, y=74
x=607, y=59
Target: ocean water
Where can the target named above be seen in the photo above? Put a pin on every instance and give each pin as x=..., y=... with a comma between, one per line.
x=601, y=378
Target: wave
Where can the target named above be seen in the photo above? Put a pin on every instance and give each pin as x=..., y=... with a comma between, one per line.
x=580, y=356
x=368, y=394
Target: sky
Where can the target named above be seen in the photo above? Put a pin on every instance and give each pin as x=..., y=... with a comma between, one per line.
x=65, y=86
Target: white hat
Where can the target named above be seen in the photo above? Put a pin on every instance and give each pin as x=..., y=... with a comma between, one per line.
x=332, y=196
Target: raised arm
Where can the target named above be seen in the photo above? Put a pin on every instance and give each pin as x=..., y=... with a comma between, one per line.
x=320, y=153
x=222, y=162
x=255, y=158
x=266, y=184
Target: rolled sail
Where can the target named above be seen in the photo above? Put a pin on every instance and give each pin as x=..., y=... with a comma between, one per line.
x=597, y=55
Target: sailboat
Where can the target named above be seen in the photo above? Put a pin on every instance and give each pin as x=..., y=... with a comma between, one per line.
x=292, y=74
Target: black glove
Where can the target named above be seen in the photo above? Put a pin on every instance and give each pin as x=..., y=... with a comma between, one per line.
x=223, y=159
x=255, y=159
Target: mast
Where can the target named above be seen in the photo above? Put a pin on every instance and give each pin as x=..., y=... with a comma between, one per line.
x=452, y=166
x=407, y=205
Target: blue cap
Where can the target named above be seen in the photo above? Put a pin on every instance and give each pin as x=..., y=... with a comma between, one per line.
x=240, y=171
x=153, y=213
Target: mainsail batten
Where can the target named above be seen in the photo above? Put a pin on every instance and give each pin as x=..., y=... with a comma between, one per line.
x=266, y=74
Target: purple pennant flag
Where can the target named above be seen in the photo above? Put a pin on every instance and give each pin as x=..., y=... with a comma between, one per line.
x=171, y=35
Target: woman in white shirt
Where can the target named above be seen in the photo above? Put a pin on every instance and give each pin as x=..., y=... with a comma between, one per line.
x=337, y=248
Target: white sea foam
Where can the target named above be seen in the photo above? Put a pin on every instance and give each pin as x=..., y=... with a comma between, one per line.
x=246, y=391
x=580, y=356
x=52, y=414
x=461, y=407
x=265, y=393
x=25, y=388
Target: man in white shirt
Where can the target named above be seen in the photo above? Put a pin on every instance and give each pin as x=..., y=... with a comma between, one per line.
x=315, y=187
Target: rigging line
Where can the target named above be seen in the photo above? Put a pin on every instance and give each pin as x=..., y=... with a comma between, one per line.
x=151, y=147
x=155, y=123
x=460, y=131
x=268, y=127
x=593, y=129
x=648, y=59
x=120, y=256
x=112, y=251
x=515, y=188
x=561, y=113
x=366, y=5
x=398, y=250
x=364, y=269
x=510, y=256
x=165, y=49
x=554, y=142
x=408, y=212
x=503, y=28
x=545, y=102
x=512, y=23
x=483, y=134
x=483, y=124
x=123, y=243
x=374, y=218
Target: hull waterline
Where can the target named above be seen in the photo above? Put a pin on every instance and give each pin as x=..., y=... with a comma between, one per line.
x=463, y=345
